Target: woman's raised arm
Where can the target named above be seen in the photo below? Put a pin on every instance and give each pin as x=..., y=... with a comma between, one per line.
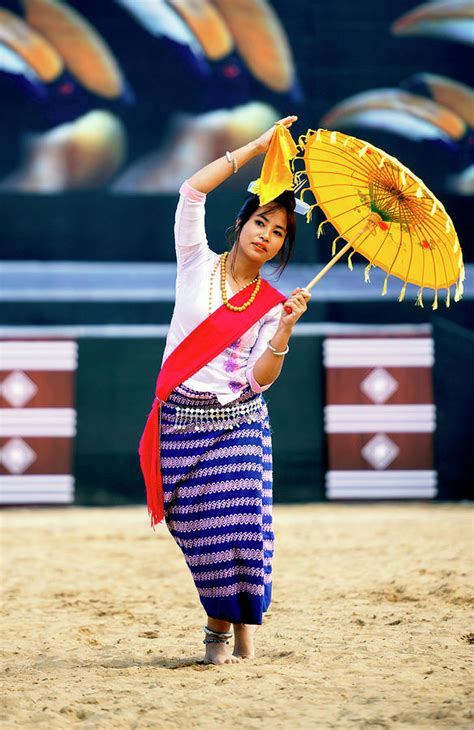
x=213, y=174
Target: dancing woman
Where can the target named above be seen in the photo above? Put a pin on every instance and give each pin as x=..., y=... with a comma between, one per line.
x=206, y=450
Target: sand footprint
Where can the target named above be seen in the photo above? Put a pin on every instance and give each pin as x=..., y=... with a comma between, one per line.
x=149, y=635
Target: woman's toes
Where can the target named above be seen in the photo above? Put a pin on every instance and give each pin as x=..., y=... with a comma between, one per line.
x=233, y=659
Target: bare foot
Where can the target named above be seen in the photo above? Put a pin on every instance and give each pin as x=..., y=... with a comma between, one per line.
x=219, y=653
x=243, y=645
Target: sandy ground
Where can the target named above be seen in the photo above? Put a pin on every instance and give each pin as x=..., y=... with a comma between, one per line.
x=371, y=623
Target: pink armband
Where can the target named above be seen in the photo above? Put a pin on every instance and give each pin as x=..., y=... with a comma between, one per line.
x=254, y=385
x=191, y=193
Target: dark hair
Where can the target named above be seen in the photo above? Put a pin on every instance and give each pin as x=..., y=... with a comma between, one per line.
x=286, y=201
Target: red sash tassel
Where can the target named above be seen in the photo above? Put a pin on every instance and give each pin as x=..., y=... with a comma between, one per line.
x=148, y=451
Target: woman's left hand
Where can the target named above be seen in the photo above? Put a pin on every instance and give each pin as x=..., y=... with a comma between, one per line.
x=294, y=307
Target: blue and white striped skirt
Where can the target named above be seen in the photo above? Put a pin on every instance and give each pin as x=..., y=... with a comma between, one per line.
x=216, y=464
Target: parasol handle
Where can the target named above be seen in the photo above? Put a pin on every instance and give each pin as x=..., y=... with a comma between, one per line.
x=372, y=220
x=328, y=266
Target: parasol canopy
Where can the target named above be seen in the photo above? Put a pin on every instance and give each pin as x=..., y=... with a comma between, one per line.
x=383, y=211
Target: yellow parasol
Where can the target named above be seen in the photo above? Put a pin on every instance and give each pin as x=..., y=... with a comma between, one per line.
x=381, y=209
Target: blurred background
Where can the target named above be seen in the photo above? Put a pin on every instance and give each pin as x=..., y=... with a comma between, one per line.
x=106, y=108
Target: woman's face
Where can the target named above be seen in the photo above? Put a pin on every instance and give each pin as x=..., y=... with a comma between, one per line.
x=263, y=234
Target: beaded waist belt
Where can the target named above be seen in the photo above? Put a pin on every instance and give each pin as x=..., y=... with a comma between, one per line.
x=207, y=413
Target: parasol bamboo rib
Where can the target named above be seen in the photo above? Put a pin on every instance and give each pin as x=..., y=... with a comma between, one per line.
x=372, y=220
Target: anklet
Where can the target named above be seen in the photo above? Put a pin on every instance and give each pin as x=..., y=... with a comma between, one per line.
x=216, y=637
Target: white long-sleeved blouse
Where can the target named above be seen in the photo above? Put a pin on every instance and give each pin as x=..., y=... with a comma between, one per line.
x=231, y=371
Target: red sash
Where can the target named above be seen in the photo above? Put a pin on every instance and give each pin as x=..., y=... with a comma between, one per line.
x=202, y=345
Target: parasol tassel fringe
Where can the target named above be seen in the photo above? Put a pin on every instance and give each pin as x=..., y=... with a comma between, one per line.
x=384, y=288
x=401, y=296
x=320, y=227
x=419, y=299
x=309, y=214
x=293, y=172
x=435, y=300
x=299, y=177
x=303, y=138
x=333, y=248
x=303, y=191
x=349, y=261
x=367, y=273
x=301, y=143
x=458, y=292
x=447, y=301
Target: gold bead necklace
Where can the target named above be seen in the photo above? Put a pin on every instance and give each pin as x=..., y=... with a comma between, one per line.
x=222, y=261
x=250, y=300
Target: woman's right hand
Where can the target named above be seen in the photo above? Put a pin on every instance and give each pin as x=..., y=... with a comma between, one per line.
x=213, y=174
x=263, y=142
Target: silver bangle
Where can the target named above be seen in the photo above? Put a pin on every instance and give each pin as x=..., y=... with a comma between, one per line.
x=232, y=160
x=275, y=351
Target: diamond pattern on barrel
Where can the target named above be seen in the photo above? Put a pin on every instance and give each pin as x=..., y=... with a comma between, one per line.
x=380, y=451
x=16, y=456
x=18, y=389
x=379, y=385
